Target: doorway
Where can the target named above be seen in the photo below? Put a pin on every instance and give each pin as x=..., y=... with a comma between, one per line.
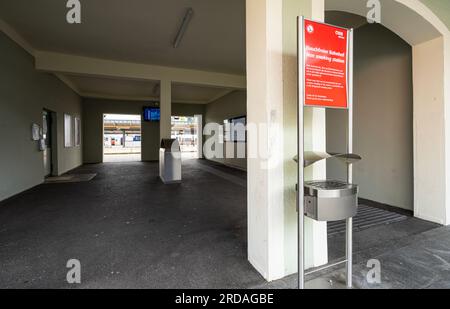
x=48, y=140
x=186, y=130
x=121, y=138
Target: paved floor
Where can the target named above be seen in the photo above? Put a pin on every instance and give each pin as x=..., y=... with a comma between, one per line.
x=412, y=254
x=130, y=231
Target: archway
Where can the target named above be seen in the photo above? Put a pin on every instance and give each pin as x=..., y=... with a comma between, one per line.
x=429, y=39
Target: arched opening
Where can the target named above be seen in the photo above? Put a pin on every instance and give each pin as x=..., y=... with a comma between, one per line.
x=383, y=123
x=404, y=133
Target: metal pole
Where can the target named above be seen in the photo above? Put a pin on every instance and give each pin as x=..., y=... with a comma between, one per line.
x=300, y=151
x=349, y=223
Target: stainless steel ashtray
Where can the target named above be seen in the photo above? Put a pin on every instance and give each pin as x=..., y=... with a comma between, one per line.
x=330, y=200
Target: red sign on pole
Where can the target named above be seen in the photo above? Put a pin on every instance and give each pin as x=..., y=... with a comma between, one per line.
x=326, y=65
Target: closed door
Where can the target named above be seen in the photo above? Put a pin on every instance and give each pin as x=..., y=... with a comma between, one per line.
x=46, y=135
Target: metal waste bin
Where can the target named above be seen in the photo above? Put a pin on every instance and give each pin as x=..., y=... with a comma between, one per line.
x=330, y=200
x=170, y=161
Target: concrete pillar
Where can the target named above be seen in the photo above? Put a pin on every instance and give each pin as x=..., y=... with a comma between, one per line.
x=447, y=124
x=166, y=109
x=271, y=100
x=429, y=131
x=199, y=122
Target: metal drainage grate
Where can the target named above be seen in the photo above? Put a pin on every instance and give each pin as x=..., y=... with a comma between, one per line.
x=367, y=217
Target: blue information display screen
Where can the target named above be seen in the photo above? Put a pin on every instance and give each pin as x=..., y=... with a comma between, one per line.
x=151, y=114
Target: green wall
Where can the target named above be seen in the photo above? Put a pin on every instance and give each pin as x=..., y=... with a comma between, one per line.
x=24, y=93
x=383, y=119
x=182, y=109
x=93, y=110
x=229, y=106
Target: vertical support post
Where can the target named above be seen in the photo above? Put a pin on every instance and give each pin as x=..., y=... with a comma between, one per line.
x=166, y=109
x=300, y=148
x=349, y=222
x=199, y=122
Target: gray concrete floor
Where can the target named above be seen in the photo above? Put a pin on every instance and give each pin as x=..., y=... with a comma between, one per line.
x=130, y=231
x=412, y=254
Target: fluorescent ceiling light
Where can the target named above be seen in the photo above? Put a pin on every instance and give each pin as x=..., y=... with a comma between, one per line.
x=187, y=18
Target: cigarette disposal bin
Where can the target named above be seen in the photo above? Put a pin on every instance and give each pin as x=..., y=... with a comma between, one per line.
x=330, y=200
x=170, y=161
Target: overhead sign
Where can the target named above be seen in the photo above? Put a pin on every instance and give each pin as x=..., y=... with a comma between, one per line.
x=325, y=65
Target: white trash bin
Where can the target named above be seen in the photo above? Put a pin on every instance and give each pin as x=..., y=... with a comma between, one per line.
x=170, y=161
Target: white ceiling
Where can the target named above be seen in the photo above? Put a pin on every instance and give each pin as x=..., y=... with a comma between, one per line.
x=137, y=31
x=140, y=31
x=113, y=88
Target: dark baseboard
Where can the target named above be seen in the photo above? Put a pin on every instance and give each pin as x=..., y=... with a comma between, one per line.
x=387, y=207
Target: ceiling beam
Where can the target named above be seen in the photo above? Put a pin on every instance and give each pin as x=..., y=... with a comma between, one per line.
x=90, y=95
x=79, y=65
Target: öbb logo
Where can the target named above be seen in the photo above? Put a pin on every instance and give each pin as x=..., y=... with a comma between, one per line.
x=340, y=34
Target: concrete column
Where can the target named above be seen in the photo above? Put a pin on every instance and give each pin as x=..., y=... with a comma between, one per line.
x=429, y=131
x=166, y=109
x=199, y=122
x=447, y=124
x=272, y=101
